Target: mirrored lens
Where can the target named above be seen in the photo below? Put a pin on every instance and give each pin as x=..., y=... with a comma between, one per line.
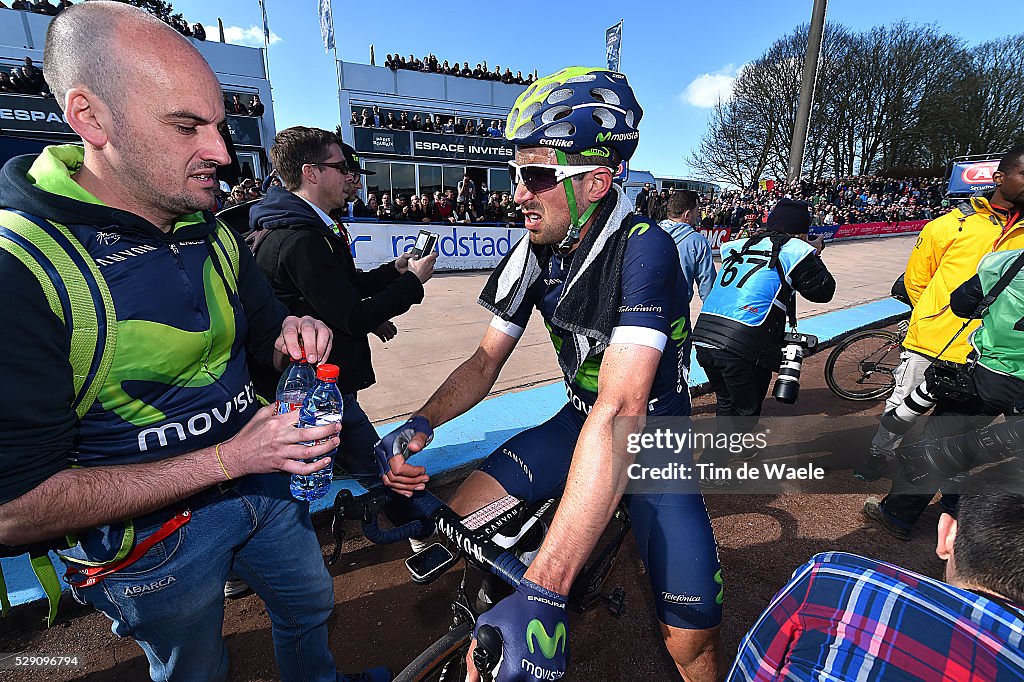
x=535, y=178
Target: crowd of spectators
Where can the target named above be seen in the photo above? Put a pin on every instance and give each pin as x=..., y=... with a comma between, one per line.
x=246, y=190
x=463, y=205
x=24, y=80
x=833, y=201
x=51, y=9
x=429, y=64
x=374, y=117
x=237, y=104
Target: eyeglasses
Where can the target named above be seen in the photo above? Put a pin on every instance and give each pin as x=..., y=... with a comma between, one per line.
x=339, y=166
x=540, y=177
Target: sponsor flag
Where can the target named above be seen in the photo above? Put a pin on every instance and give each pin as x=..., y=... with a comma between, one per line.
x=972, y=176
x=613, y=46
x=766, y=185
x=326, y=24
x=266, y=25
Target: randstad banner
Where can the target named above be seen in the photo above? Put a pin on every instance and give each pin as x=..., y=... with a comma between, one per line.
x=971, y=176
x=459, y=247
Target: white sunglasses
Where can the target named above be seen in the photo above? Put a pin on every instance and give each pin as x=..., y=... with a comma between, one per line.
x=540, y=177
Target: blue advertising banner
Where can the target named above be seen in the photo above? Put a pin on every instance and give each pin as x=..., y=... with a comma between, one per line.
x=971, y=176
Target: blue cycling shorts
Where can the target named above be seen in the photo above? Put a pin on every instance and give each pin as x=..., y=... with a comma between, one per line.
x=673, y=531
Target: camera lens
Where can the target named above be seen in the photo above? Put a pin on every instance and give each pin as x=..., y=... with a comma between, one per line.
x=787, y=386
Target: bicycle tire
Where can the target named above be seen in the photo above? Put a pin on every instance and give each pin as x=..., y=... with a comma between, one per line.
x=888, y=342
x=442, y=661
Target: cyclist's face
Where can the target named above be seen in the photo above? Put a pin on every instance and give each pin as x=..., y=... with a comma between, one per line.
x=546, y=214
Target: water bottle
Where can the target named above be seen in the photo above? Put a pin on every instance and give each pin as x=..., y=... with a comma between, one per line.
x=322, y=406
x=295, y=384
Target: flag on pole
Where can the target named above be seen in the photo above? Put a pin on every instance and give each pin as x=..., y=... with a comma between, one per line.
x=373, y=61
x=266, y=25
x=326, y=24
x=613, y=46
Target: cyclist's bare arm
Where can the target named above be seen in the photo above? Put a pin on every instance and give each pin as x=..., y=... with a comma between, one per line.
x=464, y=388
x=597, y=476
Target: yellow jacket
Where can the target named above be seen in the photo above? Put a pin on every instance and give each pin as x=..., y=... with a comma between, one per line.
x=946, y=255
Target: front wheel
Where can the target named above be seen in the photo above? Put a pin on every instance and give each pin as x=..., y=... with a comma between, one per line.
x=863, y=366
x=444, y=660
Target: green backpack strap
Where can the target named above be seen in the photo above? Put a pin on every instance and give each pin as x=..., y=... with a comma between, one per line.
x=78, y=295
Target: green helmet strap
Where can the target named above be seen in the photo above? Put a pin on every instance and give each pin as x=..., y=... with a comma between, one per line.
x=576, y=221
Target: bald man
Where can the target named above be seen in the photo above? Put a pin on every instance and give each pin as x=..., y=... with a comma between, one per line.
x=175, y=440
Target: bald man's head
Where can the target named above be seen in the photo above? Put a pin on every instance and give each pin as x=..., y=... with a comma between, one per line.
x=105, y=47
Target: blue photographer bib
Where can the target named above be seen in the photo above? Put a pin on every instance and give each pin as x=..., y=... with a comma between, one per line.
x=747, y=286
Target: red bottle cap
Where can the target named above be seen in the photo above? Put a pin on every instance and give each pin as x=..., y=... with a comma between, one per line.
x=327, y=372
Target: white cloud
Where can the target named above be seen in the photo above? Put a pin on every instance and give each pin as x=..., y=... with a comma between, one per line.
x=238, y=35
x=707, y=89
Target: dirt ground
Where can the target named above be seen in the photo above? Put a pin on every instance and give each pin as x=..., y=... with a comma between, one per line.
x=382, y=618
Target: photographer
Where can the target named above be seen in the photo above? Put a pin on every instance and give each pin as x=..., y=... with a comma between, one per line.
x=739, y=333
x=991, y=225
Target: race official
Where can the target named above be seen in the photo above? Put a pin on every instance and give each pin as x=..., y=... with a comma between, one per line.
x=306, y=256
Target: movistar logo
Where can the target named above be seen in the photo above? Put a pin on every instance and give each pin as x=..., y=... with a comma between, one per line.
x=721, y=591
x=679, y=332
x=548, y=643
x=597, y=151
x=604, y=137
x=639, y=228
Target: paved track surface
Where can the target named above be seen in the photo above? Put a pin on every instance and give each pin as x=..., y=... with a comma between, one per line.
x=380, y=617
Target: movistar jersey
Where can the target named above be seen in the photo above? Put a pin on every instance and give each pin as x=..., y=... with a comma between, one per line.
x=179, y=380
x=652, y=311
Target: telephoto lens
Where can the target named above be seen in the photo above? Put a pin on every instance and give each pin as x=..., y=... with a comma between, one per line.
x=933, y=460
x=787, y=385
x=900, y=420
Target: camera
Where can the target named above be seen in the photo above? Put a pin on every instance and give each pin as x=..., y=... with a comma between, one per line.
x=931, y=461
x=920, y=400
x=787, y=385
x=941, y=382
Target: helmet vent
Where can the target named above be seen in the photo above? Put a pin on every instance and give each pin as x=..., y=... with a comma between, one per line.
x=605, y=95
x=603, y=117
x=545, y=89
x=564, y=129
x=582, y=78
x=529, y=112
x=525, y=129
x=559, y=96
x=630, y=118
x=555, y=113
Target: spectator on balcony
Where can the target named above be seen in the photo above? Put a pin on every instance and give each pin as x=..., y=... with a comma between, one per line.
x=519, y=80
x=31, y=71
x=403, y=121
x=425, y=205
x=464, y=213
x=415, y=213
x=389, y=62
x=445, y=69
x=507, y=77
x=391, y=123
x=459, y=128
x=198, y=30
x=441, y=209
x=386, y=210
x=432, y=65
x=494, y=212
x=377, y=117
x=366, y=119
x=44, y=7
x=471, y=126
x=22, y=5
x=493, y=130
x=415, y=123
x=6, y=84
x=428, y=124
x=496, y=75
x=467, y=189
x=358, y=207
x=466, y=71
x=478, y=72
x=236, y=107
x=355, y=120
x=449, y=127
x=371, y=206
x=256, y=107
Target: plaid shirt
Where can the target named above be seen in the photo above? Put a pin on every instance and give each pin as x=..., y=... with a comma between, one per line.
x=844, y=617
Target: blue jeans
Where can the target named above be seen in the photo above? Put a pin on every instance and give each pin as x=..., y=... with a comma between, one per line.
x=172, y=600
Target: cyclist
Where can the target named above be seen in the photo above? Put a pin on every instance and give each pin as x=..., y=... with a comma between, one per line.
x=175, y=440
x=624, y=357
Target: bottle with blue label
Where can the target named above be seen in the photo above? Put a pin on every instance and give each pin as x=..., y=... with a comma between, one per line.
x=295, y=384
x=322, y=406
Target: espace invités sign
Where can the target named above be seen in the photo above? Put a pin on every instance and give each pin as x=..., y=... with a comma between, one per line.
x=459, y=247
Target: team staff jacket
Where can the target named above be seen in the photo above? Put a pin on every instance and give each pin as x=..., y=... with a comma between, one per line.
x=999, y=341
x=745, y=314
x=653, y=311
x=179, y=380
x=312, y=272
x=946, y=255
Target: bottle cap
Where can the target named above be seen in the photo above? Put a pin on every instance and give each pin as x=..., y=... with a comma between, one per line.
x=327, y=372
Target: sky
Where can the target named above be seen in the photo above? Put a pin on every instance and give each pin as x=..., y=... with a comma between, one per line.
x=679, y=55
